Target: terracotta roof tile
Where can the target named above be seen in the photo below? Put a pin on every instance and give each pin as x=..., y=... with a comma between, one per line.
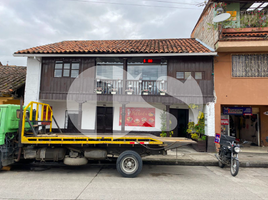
x=121, y=46
x=242, y=35
x=11, y=78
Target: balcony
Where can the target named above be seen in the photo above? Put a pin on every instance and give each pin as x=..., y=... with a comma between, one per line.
x=254, y=19
x=130, y=87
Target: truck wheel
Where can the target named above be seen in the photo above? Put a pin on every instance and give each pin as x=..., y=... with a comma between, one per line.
x=129, y=164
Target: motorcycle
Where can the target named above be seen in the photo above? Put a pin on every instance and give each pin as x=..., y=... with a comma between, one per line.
x=228, y=153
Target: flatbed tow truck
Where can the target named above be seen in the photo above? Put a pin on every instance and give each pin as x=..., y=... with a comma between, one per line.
x=22, y=139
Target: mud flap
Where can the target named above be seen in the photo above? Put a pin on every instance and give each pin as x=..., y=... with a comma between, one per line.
x=7, y=156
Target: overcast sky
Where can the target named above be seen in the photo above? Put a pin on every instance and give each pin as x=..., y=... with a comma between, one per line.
x=28, y=23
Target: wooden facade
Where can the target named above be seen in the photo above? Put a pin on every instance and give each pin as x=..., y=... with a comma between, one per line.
x=56, y=88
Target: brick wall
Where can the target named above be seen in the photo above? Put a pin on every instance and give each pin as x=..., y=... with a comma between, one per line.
x=203, y=31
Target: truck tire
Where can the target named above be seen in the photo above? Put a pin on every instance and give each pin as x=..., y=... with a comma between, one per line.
x=129, y=164
x=75, y=161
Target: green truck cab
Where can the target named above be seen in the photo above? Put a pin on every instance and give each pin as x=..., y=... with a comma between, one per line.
x=9, y=126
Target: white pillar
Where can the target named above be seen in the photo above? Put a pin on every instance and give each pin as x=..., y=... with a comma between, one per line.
x=33, y=80
x=210, y=119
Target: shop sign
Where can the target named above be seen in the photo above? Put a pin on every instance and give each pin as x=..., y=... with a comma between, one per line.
x=237, y=111
x=144, y=117
x=224, y=121
x=217, y=138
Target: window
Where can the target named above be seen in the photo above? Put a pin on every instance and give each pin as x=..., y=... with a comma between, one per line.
x=183, y=75
x=146, y=71
x=180, y=75
x=66, y=69
x=109, y=71
x=198, y=75
x=250, y=65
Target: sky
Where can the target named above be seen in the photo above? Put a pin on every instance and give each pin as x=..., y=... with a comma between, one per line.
x=29, y=23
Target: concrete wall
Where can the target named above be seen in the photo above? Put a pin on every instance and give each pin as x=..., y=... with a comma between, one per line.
x=238, y=91
x=33, y=77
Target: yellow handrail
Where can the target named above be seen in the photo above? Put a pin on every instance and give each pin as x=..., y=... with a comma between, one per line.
x=31, y=106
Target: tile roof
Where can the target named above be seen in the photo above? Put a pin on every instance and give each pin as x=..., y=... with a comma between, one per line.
x=11, y=78
x=120, y=46
x=240, y=36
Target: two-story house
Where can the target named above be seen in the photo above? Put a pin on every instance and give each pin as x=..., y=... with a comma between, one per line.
x=119, y=86
x=241, y=67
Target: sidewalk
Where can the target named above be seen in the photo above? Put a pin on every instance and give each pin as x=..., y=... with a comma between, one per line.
x=248, y=157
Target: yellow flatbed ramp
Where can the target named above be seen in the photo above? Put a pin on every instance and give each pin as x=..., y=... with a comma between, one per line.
x=131, y=139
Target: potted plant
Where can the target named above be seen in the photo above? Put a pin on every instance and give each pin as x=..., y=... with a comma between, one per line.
x=99, y=90
x=113, y=91
x=145, y=92
x=162, y=92
x=197, y=133
x=129, y=91
x=220, y=7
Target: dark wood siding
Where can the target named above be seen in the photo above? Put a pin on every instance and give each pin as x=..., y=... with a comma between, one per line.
x=194, y=64
x=57, y=87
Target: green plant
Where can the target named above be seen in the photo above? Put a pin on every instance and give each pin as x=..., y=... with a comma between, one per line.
x=253, y=19
x=197, y=131
x=195, y=136
x=191, y=127
x=220, y=5
x=203, y=137
x=163, y=118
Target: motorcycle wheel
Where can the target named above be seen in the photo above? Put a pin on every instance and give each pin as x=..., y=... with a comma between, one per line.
x=234, y=167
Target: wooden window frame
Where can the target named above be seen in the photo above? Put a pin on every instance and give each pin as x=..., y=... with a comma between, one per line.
x=192, y=74
x=202, y=73
x=70, y=68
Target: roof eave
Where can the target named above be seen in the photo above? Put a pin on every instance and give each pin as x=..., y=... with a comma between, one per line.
x=117, y=55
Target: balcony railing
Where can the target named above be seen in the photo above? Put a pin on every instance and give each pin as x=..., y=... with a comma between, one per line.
x=250, y=19
x=136, y=87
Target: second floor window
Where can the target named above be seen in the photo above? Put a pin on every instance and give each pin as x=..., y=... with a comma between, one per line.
x=66, y=69
x=185, y=75
x=250, y=65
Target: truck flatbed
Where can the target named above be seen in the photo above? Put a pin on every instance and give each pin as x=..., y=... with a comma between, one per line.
x=130, y=139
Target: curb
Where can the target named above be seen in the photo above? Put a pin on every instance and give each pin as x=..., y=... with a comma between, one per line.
x=245, y=164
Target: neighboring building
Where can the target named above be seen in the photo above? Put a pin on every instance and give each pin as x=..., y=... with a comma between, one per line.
x=241, y=67
x=136, y=66
x=12, y=84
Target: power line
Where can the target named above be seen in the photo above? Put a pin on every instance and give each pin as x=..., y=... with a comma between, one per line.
x=173, y=2
x=127, y=4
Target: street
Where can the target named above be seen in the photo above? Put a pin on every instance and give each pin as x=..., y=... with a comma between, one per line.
x=155, y=182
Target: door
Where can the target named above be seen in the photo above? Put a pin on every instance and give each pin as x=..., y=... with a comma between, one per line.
x=104, y=119
x=182, y=116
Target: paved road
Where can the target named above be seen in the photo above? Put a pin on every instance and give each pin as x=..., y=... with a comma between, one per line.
x=155, y=182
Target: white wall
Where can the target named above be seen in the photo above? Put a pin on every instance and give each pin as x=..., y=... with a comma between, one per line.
x=33, y=77
x=209, y=112
x=59, y=109
x=89, y=115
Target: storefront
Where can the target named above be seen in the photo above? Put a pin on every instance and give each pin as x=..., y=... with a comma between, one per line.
x=242, y=122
